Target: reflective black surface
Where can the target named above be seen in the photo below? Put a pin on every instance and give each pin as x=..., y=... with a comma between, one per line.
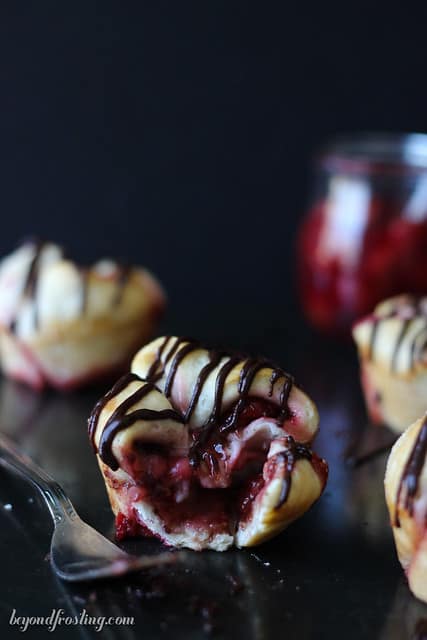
x=333, y=574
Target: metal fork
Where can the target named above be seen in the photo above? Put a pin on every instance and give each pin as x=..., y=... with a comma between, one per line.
x=78, y=552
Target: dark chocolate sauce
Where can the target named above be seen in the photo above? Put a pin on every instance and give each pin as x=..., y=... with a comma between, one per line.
x=152, y=371
x=251, y=367
x=31, y=279
x=123, y=422
x=202, y=435
x=294, y=451
x=415, y=305
x=94, y=417
x=178, y=358
x=175, y=348
x=285, y=412
x=416, y=348
x=123, y=275
x=275, y=375
x=29, y=289
x=215, y=359
x=84, y=282
x=30, y=283
x=112, y=426
x=157, y=361
x=400, y=337
x=247, y=375
x=408, y=485
x=373, y=336
x=120, y=419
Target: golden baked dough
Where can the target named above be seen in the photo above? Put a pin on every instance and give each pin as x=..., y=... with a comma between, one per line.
x=62, y=325
x=206, y=449
x=393, y=357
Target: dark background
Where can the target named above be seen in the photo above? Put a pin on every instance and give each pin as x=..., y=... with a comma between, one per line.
x=179, y=135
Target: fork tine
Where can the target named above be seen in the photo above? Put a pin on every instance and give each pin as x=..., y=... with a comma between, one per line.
x=78, y=552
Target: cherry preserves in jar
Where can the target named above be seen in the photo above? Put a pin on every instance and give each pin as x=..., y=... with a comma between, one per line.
x=365, y=236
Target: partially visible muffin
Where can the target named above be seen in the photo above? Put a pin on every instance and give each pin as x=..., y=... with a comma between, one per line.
x=392, y=345
x=406, y=496
x=63, y=325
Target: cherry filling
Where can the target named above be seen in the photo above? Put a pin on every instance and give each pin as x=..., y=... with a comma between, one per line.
x=378, y=253
x=212, y=496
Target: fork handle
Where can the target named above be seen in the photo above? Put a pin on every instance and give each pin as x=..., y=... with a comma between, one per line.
x=59, y=504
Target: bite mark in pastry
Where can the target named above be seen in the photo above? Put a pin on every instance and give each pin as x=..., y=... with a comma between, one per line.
x=62, y=325
x=392, y=345
x=206, y=449
x=406, y=496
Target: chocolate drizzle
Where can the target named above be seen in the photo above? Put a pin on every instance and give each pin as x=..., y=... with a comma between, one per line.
x=247, y=375
x=179, y=356
x=123, y=275
x=400, y=337
x=120, y=419
x=113, y=427
x=372, y=339
x=29, y=286
x=94, y=417
x=408, y=310
x=275, y=375
x=202, y=435
x=215, y=423
x=31, y=279
x=84, y=281
x=215, y=359
x=175, y=348
x=30, y=283
x=294, y=451
x=409, y=481
x=157, y=361
x=416, y=348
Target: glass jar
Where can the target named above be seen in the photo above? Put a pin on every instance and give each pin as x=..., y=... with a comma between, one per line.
x=365, y=235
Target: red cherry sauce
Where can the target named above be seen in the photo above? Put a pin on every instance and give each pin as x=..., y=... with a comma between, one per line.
x=174, y=490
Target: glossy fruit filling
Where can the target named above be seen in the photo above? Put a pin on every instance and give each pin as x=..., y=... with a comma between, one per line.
x=214, y=495
x=347, y=265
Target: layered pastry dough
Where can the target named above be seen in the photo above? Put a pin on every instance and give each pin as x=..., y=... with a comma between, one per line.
x=206, y=449
x=406, y=495
x=392, y=345
x=62, y=325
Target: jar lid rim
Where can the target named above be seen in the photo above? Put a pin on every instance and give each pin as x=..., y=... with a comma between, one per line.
x=369, y=149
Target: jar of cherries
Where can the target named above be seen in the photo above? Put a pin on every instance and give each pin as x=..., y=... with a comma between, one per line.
x=365, y=235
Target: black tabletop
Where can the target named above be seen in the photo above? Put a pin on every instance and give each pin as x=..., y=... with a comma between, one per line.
x=333, y=574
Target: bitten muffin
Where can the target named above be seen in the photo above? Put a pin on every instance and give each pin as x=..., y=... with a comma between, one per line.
x=206, y=449
x=62, y=325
